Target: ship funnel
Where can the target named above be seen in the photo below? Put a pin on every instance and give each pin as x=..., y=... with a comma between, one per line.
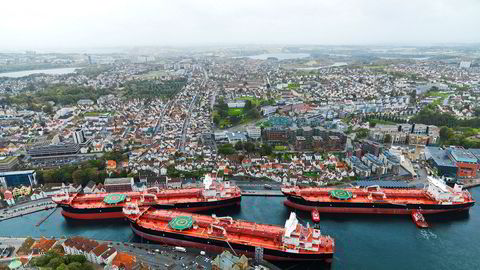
x=291, y=224
x=458, y=188
x=207, y=181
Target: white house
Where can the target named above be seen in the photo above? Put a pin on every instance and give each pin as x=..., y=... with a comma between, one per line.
x=90, y=187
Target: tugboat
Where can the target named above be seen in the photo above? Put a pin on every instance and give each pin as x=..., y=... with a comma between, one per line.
x=315, y=215
x=419, y=220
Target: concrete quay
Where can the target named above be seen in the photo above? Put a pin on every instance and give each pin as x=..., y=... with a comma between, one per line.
x=25, y=209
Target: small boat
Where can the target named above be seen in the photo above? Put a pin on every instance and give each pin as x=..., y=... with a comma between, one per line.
x=267, y=186
x=419, y=220
x=315, y=215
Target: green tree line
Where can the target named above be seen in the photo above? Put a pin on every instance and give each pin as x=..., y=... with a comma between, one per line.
x=54, y=260
x=61, y=94
x=429, y=116
x=82, y=173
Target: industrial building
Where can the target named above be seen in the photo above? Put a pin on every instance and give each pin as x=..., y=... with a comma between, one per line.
x=454, y=162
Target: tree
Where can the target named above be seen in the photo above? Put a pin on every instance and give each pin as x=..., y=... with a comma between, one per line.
x=78, y=176
x=63, y=267
x=74, y=266
x=226, y=149
x=253, y=113
x=99, y=164
x=266, y=150
x=248, y=104
x=445, y=133
x=55, y=262
x=75, y=258
x=48, y=176
x=48, y=109
x=249, y=147
x=114, y=155
x=413, y=96
x=362, y=133
x=87, y=266
x=476, y=112
x=388, y=138
x=239, y=146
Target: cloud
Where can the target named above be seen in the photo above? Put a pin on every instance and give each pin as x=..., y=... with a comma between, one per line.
x=31, y=24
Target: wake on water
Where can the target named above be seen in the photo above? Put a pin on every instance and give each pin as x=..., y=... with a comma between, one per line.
x=427, y=234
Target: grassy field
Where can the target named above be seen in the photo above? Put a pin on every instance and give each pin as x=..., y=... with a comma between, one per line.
x=255, y=101
x=437, y=94
x=310, y=174
x=293, y=86
x=153, y=74
x=441, y=97
x=235, y=111
x=280, y=148
x=95, y=113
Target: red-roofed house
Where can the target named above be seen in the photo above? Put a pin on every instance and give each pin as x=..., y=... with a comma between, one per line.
x=96, y=253
x=108, y=256
x=7, y=195
x=123, y=261
x=43, y=245
x=111, y=165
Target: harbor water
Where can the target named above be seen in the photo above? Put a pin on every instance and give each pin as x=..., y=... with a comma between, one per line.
x=52, y=71
x=362, y=242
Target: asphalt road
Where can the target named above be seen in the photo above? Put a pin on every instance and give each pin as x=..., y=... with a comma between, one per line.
x=166, y=257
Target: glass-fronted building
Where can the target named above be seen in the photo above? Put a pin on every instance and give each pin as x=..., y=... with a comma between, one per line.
x=18, y=178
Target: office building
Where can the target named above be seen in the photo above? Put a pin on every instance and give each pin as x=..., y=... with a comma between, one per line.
x=79, y=136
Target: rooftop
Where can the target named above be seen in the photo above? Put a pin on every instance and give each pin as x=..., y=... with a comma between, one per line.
x=119, y=181
x=439, y=155
x=462, y=155
x=475, y=152
x=7, y=159
x=124, y=260
x=16, y=172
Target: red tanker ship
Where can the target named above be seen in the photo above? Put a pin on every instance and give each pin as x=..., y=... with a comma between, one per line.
x=216, y=234
x=435, y=197
x=109, y=205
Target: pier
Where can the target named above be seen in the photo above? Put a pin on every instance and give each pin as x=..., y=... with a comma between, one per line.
x=18, y=211
x=262, y=193
x=45, y=218
x=470, y=183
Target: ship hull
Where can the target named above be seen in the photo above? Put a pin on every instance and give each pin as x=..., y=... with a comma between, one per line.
x=218, y=246
x=116, y=212
x=373, y=208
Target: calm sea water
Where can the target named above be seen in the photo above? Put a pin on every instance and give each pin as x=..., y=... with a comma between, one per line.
x=363, y=242
x=23, y=73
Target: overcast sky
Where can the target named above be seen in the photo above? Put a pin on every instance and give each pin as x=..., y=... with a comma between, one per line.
x=34, y=24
